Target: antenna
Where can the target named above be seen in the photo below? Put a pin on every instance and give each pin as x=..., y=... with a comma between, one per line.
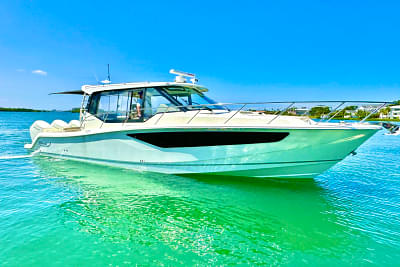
x=181, y=76
x=108, y=76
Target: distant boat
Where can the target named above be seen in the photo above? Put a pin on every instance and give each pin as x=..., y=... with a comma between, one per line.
x=392, y=128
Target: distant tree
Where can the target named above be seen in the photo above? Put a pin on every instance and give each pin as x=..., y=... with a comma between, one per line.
x=361, y=114
x=319, y=111
x=21, y=110
x=76, y=110
x=350, y=108
x=395, y=103
x=385, y=111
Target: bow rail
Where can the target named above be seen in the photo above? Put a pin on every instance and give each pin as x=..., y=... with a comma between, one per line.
x=322, y=111
x=346, y=108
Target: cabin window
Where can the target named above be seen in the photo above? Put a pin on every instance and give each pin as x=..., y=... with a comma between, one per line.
x=117, y=106
x=135, y=105
x=113, y=106
x=131, y=105
x=92, y=103
x=192, y=98
x=156, y=102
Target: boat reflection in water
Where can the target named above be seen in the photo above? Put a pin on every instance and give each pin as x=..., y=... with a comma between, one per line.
x=200, y=218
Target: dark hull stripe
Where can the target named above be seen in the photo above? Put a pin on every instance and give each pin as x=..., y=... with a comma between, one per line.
x=206, y=138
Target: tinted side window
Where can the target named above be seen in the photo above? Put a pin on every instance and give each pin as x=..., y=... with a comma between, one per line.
x=129, y=105
x=92, y=103
x=117, y=106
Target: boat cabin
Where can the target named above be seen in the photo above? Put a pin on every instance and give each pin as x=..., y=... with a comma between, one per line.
x=120, y=103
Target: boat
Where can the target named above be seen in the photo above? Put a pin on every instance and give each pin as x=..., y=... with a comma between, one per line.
x=174, y=128
x=393, y=129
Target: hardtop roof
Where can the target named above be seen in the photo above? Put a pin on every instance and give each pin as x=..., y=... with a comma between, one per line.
x=90, y=89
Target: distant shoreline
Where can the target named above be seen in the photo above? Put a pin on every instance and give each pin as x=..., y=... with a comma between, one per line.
x=22, y=110
x=74, y=110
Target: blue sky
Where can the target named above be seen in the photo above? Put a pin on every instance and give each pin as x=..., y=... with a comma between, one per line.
x=241, y=50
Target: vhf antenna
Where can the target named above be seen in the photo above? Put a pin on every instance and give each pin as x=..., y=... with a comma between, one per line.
x=108, y=78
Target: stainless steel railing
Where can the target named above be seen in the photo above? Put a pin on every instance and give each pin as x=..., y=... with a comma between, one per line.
x=275, y=108
x=375, y=106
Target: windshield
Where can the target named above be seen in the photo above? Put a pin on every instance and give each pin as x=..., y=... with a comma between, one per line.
x=140, y=104
x=191, y=98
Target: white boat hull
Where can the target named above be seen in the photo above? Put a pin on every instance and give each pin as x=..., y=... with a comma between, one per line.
x=304, y=153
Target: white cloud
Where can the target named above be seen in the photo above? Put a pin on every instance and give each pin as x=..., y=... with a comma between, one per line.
x=39, y=72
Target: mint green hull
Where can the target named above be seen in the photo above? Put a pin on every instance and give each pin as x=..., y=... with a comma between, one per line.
x=284, y=170
x=305, y=153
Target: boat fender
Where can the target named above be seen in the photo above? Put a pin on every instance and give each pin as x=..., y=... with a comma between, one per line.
x=37, y=127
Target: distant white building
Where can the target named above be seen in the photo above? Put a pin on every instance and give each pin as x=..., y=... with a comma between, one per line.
x=394, y=112
x=350, y=114
x=384, y=116
x=369, y=108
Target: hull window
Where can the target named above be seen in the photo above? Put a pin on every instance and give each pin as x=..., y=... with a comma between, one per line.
x=197, y=139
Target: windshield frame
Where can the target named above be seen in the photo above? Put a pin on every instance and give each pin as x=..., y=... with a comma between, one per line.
x=191, y=91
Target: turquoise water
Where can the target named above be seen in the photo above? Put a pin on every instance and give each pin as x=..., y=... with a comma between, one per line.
x=59, y=212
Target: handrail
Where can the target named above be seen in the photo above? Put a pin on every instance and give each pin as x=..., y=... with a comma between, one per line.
x=81, y=110
x=291, y=103
x=287, y=102
x=280, y=113
x=194, y=116
x=373, y=112
x=162, y=115
x=200, y=107
x=336, y=108
x=235, y=114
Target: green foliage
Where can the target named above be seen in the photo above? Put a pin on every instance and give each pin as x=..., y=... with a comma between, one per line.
x=76, y=110
x=395, y=103
x=21, y=110
x=343, y=112
x=350, y=108
x=385, y=110
x=361, y=114
x=319, y=111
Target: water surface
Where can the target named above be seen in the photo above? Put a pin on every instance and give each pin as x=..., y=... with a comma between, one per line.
x=61, y=212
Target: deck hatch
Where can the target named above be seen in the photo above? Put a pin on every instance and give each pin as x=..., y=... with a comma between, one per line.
x=207, y=138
